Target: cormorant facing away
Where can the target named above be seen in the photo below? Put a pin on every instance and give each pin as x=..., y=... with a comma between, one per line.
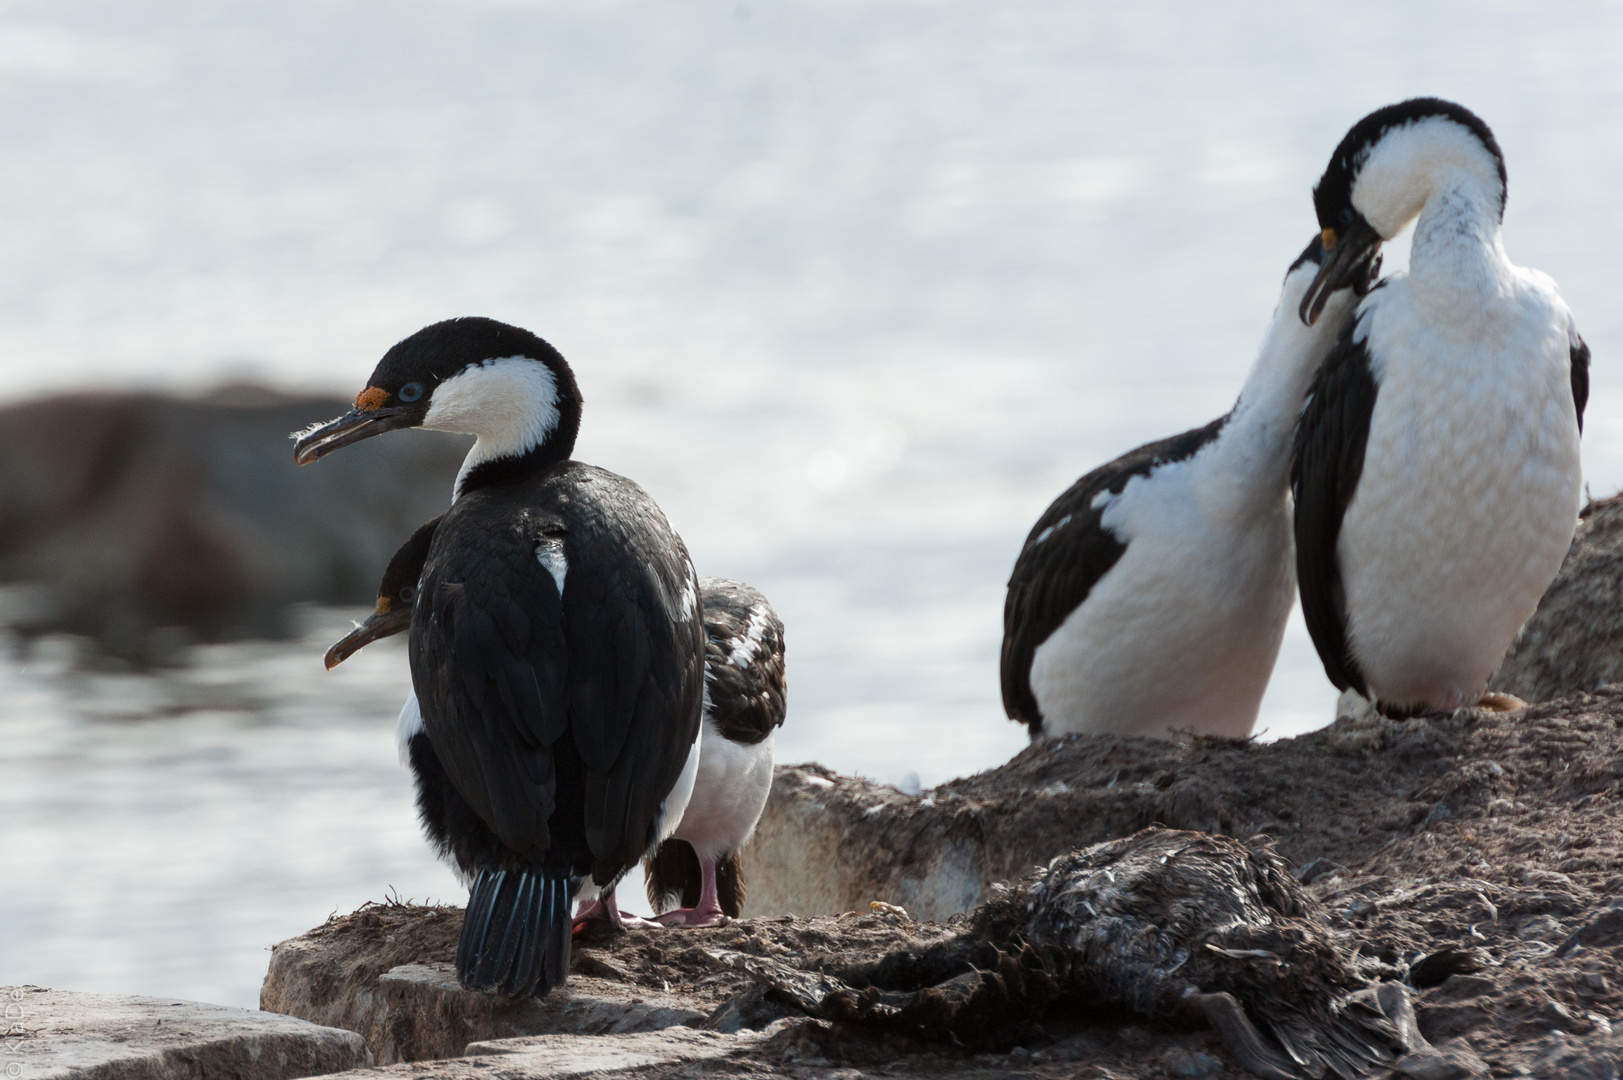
x=1165, y=924
x=1437, y=473
x=1152, y=595
x=698, y=868
x=556, y=644
x=745, y=697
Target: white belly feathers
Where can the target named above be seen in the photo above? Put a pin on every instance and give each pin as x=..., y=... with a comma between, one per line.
x=1467, y=501
x=1199, y=564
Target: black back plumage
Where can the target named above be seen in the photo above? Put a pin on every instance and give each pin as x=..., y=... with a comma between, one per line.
x=505, y=667
x=1065, y=555
x=1327, y=461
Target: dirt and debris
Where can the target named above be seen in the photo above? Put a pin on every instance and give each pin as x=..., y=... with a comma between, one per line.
x=1479, y=853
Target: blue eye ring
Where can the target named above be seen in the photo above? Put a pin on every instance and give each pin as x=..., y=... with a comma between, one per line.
x=1346, y=215
x=408, y=594
x=410, y=392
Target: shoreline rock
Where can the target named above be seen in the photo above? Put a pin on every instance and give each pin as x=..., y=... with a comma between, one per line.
x=60, y=1035
x=132, y=514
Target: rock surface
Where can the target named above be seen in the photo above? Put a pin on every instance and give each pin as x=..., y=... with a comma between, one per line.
x=55, y=1035
x=137, y=511
x=1481, y=854
x=1574, y=641
x=559, y=1056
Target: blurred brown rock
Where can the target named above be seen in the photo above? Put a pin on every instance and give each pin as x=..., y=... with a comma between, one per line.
x=139, y=511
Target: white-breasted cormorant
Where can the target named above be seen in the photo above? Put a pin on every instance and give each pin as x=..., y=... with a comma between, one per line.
x=1437, y=473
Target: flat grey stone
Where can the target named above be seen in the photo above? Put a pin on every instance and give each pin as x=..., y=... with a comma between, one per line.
x=553, y=1057
x=57, y=1035
x=417, y=1011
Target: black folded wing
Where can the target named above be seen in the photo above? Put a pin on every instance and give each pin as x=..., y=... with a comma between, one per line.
x=563, y=718
x=1329, y=458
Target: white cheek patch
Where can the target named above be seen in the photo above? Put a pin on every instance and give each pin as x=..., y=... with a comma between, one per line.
x=510, y=403
x=550, y=554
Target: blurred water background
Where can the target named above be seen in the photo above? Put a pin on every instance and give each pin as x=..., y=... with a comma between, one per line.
x=854, y=289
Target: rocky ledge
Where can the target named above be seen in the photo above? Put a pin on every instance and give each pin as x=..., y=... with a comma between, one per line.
x=56, y=1035
x=1492, y=840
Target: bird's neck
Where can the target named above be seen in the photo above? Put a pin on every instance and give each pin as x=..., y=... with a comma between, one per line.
x=1253, y=450
x=1458, y=259
x=498, y=461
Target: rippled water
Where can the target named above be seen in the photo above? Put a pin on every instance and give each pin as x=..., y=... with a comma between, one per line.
x=853, y=289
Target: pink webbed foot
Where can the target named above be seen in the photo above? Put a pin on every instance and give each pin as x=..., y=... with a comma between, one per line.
x=694, y=917
x=707, y=912
x=603, y=918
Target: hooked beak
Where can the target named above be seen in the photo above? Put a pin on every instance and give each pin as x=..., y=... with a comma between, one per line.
x=352, y=427
x=1349, y=262
x=377, y=626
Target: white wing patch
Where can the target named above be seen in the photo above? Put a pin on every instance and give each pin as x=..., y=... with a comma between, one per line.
x=745, y=648
x=1060, y=524
x=550, y=554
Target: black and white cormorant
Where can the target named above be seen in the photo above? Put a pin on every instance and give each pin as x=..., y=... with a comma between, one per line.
x=697, y=871
x=1152, y=595
x=556, y=644
x=1437, y=473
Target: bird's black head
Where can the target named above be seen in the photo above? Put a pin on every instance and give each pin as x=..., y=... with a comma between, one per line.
x=474, y=376
x=1381, y=175
x=397, y=595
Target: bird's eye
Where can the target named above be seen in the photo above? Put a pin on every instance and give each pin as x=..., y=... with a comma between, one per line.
x=408, y=594
x=411, y=391
x=1346, y=219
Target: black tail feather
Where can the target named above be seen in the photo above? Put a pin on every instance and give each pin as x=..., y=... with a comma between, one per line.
x=515, y=935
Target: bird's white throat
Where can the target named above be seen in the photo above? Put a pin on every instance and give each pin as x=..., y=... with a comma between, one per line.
x=510, y=403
